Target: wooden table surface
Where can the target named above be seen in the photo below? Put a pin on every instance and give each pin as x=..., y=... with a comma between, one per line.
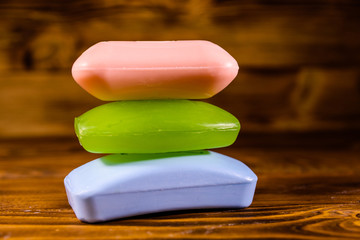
x=301, y=194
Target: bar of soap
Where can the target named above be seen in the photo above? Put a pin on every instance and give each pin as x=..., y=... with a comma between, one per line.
x=155, y=126
x=121, y=185
x=125, y=70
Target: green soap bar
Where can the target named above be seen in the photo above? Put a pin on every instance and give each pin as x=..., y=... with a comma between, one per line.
x=155, y=126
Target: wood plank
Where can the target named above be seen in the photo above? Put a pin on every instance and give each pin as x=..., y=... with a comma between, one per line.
x=40, y=104
x=301, y=194
x=295, y=100
x=45, y=35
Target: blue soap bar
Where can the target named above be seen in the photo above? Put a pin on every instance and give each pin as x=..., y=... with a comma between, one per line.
x=123, y=185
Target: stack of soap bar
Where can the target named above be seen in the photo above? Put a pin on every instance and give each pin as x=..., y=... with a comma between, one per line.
x=154, y=135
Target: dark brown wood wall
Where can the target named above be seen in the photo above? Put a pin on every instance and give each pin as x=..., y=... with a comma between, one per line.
x=299, y=60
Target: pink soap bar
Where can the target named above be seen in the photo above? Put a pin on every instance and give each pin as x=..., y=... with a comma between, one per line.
x=125, y=70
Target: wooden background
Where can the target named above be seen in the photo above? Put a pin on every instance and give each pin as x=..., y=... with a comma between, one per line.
x=299, y=60
x=297, y=96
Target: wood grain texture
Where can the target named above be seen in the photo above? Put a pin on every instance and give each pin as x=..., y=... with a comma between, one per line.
x=298, y=86
x=299, y=60
x=43, y=104
x=50, y=35
x=301, y=194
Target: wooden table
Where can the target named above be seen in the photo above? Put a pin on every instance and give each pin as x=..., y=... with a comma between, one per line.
x=301, y=194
